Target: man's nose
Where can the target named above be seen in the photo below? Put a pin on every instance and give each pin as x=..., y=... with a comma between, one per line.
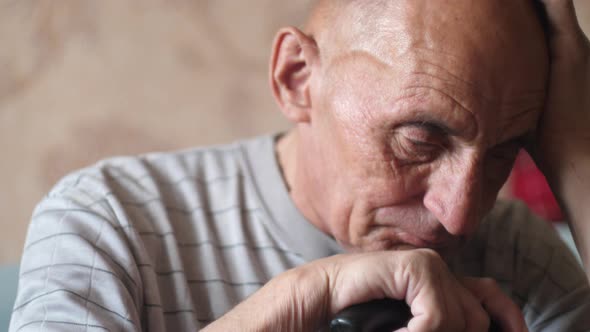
x=454, y=196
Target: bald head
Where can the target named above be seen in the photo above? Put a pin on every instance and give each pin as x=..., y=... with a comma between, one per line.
x=500, y=33
x=407, y=113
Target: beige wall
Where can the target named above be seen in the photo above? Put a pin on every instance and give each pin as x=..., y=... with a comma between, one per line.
x=82, y=80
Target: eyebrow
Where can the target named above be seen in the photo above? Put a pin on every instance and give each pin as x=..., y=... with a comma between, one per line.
x=447, y=114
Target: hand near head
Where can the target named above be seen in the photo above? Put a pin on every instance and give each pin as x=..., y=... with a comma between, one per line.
x=305, y=298
x=562, y=146
x=566, y=120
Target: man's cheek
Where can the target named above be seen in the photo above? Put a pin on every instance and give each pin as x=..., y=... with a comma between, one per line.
x=399, y=187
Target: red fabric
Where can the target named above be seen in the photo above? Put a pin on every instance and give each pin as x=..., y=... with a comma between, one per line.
x=529, y=185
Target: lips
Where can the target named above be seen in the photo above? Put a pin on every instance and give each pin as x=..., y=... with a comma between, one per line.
x=431, y=242
x=410, y=227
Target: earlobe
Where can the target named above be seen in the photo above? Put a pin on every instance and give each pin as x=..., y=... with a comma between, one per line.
x=290, y=72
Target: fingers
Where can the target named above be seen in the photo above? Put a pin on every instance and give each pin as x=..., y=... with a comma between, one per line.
x=477, y=318
x=437, y=299
x=431, y=312
x=456, y=310
x=499, y=306
x=561, y=17
x=567, y=42
x=442, y=303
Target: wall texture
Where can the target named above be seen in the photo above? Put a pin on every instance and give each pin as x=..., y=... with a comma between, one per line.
x=83, y=80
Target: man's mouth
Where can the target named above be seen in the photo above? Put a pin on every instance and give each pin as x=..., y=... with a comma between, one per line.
x=392, y=238
x=419, y=231
x=434, y=242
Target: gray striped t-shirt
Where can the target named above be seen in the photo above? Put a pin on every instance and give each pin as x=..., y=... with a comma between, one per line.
x=172, y=241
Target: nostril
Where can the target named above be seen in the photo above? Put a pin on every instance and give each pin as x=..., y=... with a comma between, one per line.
x=455, y=214
x=454, y=198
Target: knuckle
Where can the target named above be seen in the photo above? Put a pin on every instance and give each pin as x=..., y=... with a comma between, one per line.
x=428, y=252
x=424, y=264
x=428, y=255
x=422, y=260
x=436, y=322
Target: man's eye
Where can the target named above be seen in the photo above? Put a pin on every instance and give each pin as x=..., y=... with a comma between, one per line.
x=417, y=144
x=421, y=151
x=422, y=145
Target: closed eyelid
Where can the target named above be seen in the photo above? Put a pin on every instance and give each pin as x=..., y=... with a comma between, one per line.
x=425, y=133
x=432, y=126
x=416, y=144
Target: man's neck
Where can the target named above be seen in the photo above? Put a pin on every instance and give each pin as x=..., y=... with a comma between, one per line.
x=287, y=152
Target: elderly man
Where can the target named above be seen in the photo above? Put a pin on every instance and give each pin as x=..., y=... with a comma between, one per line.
x=407, y=118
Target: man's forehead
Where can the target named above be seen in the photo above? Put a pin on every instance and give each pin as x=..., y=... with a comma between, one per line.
x=493, y=50
x=352, y=23
x=423, y=90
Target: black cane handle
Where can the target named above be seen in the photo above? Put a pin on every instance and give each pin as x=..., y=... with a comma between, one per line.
x=375, y=316
x=384, y=315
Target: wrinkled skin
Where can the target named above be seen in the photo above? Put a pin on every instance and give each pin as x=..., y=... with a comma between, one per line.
x=416, y=113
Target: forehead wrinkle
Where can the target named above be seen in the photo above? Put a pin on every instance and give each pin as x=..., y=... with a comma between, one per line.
x=516, y=105
x=404, y=85
x=416, y=96
x=442, y=91
x=519, y=114
x=426, y=74
x=504, y=109
x=390, y=39
x=470, y=91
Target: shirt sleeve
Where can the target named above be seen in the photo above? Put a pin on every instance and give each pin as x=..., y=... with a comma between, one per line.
x=77, y=271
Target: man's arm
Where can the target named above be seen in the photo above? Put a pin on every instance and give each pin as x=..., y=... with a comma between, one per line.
x=77, y=272
x=563, y=144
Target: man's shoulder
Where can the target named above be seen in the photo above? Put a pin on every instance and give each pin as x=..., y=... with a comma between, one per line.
x=132, y=225
x=155, y=191
x=137, y=176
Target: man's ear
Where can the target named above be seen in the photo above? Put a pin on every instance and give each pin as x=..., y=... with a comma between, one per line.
x=293, y=55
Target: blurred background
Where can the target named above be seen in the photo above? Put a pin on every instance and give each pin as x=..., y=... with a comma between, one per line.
x=82, y=80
